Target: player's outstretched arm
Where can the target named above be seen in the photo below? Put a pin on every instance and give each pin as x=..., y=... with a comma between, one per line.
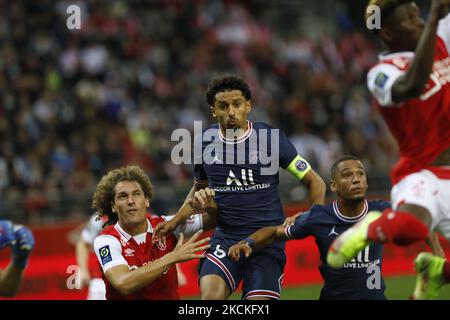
x=317, y=187
x=126, y=281
x=203, y=200
x=261, y=238
x=412, y=83
x=82, y=250
x=166, y=227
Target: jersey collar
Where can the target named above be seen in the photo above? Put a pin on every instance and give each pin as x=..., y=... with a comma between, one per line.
x=238, y=140
x=125, y=235
x=388, y=56
x=342, y=217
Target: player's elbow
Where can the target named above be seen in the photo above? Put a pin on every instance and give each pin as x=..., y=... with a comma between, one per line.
x=124, y=288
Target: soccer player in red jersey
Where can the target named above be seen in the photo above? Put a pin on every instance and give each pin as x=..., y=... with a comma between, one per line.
x=91, y=276
x=134, y=267
x=411, y=87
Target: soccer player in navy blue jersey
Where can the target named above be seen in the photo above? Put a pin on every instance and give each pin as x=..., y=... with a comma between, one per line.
x=361, y=277
x=239, y=162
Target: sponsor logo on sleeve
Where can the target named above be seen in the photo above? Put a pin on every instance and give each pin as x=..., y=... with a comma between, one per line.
x=105, y=254
x=381, y=79
x=301, y=165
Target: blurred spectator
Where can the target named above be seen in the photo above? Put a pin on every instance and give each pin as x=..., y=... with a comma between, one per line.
x=76, y=103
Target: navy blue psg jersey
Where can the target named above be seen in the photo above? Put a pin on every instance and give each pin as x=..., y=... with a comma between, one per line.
x=244, y=174
x=361, y=277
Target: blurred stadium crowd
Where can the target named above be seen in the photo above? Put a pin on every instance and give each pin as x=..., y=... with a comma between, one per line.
x=77, y=103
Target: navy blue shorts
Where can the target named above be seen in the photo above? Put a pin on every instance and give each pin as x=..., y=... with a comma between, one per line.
x=261, y=273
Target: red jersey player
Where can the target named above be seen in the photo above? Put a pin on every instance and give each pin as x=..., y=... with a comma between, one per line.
x=90, y=275
x=134, y=267
x=411, y=86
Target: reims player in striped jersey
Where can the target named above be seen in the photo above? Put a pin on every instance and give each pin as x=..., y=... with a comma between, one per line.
x=411, y=86
x=135, y=268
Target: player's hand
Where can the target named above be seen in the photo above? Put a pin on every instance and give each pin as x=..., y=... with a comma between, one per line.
x=85, y=278
x=6, y=233
x=235, y=250
x=187, y=251
x=203, y=199
x=439, y=8
x=22, y=247
x=291, y=220
x=162, y=230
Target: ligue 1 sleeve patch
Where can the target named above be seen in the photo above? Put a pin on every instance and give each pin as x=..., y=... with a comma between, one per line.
x=301, y=165
x=105, y=254
x=381, y=79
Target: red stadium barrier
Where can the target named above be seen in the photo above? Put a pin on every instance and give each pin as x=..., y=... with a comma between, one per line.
x=49, y=276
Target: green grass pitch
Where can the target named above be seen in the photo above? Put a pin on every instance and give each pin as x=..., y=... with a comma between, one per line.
x=397, y=288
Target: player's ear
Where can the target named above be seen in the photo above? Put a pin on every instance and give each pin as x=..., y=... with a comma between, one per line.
x=333, y=186
x=147, y=202
x=248, y=106
x=213, y=111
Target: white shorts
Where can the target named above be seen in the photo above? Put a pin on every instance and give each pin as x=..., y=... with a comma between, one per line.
x=426, y=190
x=97, y=289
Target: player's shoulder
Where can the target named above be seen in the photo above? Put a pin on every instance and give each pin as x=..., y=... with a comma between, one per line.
x=262, y=125
x=378, y=205
x=155, y=220
x=109, y=230
x=319, y=212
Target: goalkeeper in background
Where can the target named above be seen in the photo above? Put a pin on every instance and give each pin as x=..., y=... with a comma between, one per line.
x=21, y=241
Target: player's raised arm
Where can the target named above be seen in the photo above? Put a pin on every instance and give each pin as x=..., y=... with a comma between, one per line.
x=186, y=210
x=316, y=186
x=301, y=169
x=411, y=83
x=127, y=281
x=261, y=238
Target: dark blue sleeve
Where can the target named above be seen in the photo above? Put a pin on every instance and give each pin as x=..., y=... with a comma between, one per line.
x=287, y=150
x=301, y=228
x=200, y=174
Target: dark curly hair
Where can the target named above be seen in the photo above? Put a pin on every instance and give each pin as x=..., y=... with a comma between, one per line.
x=227, y=83
x=105, y=192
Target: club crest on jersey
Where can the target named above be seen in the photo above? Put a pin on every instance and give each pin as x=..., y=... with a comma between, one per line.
x=105, y=254
x=301, y=165
x=381, y=79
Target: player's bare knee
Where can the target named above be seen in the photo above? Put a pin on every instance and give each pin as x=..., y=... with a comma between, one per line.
x=213, y=287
